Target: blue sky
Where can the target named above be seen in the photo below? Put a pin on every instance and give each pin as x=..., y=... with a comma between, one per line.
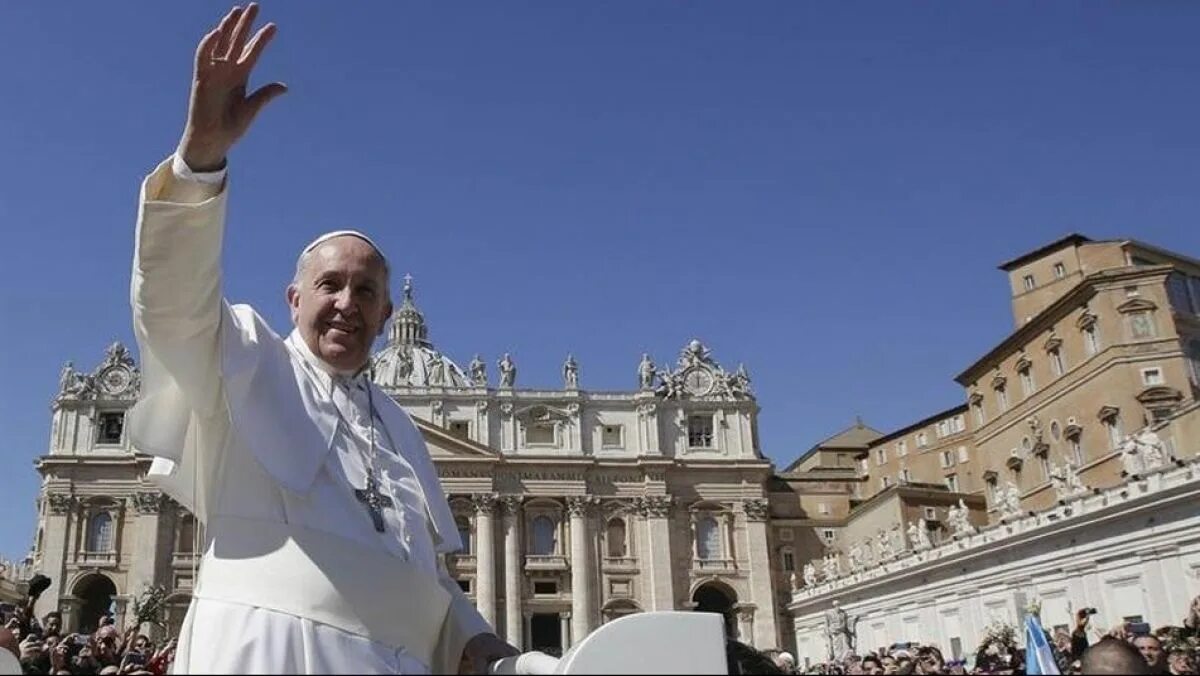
x=820, y=190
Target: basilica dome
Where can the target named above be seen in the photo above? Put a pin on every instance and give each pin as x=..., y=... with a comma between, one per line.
x=410, y=359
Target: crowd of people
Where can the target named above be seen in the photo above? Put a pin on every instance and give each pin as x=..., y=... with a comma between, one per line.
x=42, y=647
x=1129, y=648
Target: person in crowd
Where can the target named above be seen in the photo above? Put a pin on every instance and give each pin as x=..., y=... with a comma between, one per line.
x=1151, y=650
x=1113, y=656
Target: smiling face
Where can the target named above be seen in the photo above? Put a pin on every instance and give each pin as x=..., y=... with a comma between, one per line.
x=339, y=301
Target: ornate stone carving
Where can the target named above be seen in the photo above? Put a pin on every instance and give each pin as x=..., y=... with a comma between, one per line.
x=482, y=405
x=1010, y=500
x=506, y=409
x=580, y=505
x=647, y=409
x=478, y=372
x=654, y=506
x=959, y=519
x=508, y=371
x=646, y=372
x=698, y=375
x=483, y=503
x=757, y=509
x=510, y=504
x=148, y=502
x=810, y=574
x=570, y=372
x=58, y=503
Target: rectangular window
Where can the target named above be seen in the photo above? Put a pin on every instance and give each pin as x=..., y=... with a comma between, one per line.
x=1152, y=376
x=460, y=429
x=1091, y=340
x=902, y=448
x=962, y=454
x=930, y=514
x=1060, y=271
x=1027, y=382
x=464, y=585
x=880, y=456
x=884, y=482
x=922, y=440
x=539, y=433
x=905, y=476
x=700, y=431
x=1057, y=363
x=1029, y=283
x=1141, y=324
x=991, y=491
x=110, y=427
x=827, y=535
x=545, y=587
x=947, y=459
x=789, y=561
x=1076, y=451
x=952, y=483
x=960, y=423
x=610, y=436
x=786, y=535
x=1002, y=399
x=1113, y=425
x=865, y=466
x=979, y=417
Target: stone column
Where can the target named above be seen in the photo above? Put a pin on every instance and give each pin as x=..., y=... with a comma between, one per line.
x=745, y=620
x=581, y=575
x=658, y=565
x=512, y=570
x=564, y=628
x=758, y=551
x=56, y=547
x=485, y=557
x=144, y=562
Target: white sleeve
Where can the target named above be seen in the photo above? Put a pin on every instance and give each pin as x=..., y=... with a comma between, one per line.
x=184, y=173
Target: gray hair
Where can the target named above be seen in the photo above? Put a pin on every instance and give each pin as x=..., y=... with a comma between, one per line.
x=306, y=255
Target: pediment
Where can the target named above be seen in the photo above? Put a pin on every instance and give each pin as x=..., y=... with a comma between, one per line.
x=1052, y=343
x=542, y=413
x=443, y=444
x=1159, y=394
x=1136, y=305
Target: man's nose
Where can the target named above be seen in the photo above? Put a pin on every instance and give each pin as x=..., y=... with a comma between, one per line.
x=344, y=301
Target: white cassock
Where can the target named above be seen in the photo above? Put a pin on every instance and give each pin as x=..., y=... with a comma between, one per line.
x=266, y=447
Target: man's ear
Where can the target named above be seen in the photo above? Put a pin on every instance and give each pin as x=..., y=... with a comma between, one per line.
x=387, y=314
x=293, y=300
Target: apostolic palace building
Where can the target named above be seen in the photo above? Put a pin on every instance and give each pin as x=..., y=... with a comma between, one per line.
x=1066, y=474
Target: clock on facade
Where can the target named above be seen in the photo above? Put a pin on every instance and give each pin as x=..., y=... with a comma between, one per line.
x=698, y=382
x=115, y=380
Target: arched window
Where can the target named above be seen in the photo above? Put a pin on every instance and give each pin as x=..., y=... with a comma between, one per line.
x=708, y=539
x=544, y=536
x=100, y=533
x=464, y=534
x=615, y=536
x=187, y=535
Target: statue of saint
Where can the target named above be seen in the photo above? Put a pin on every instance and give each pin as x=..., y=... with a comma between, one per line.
x=646, y=373
x=478, y=372
x=508, y=371
x=570, y=371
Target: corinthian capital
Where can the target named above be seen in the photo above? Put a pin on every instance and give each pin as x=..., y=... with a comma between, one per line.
x=483, y=502
x=654, y=506
x=756, y=509
x=578, y=505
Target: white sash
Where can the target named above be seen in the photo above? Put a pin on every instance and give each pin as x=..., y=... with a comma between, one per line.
x=324, y=578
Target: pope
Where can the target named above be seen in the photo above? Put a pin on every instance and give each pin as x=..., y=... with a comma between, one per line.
x=322, y=512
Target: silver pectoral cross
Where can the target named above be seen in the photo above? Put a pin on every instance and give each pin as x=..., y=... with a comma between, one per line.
x=374, y=501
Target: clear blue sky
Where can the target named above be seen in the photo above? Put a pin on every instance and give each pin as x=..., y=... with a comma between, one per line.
x=820, y=190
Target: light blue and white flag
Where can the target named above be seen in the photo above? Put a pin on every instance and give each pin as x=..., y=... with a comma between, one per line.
x=1039, y=659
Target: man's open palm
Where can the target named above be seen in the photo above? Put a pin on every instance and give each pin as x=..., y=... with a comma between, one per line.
x=220, y=111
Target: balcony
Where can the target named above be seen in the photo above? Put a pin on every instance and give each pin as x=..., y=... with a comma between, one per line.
x=708, y=566
x=97, y=559
x=184, y=559
x=545, y=562
x=620, y=563
x=460, y=561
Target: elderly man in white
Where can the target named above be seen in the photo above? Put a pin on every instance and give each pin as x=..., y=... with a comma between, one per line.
x=322, y=510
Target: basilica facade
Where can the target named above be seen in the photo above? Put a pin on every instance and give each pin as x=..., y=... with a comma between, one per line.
x=576, y=507
x=1067, y=473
